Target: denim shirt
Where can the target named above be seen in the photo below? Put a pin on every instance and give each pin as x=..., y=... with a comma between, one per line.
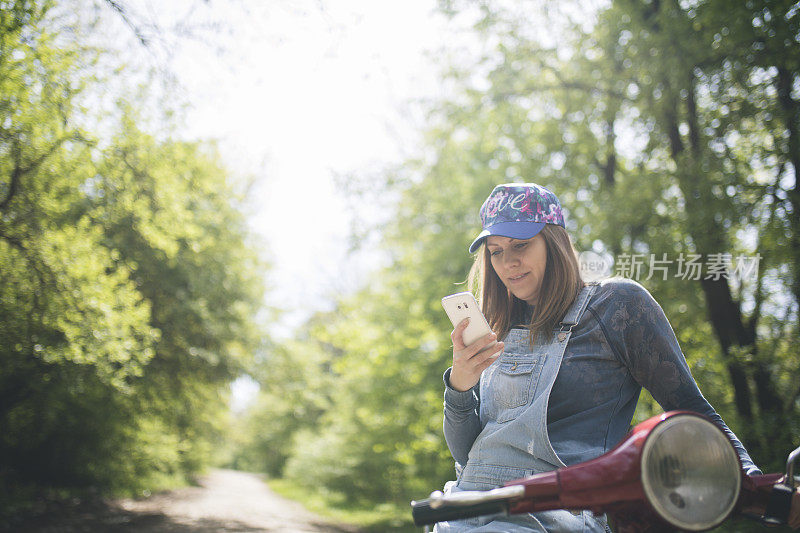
x=623, y=342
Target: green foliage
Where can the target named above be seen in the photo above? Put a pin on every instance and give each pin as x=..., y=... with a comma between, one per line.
x=129, y=285
x=296, y=391
x=378, y=518
x=665, y=128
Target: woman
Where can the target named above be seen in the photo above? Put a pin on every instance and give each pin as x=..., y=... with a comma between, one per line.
x=562, y=386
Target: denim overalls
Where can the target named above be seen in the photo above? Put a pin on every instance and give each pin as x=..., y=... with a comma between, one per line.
x=514, y=443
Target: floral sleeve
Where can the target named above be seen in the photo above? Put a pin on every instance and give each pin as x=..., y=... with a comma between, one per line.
x=644, y=340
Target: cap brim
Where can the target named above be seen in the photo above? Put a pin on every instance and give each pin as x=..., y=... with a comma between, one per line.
x=513, y=230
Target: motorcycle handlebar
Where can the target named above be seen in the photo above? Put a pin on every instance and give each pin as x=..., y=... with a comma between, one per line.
x=441, y=508
x=425, y=515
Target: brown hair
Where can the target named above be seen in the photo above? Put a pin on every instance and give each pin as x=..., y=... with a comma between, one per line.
x=561, y=283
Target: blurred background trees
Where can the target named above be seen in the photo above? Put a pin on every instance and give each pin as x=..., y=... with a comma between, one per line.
x=130, y=285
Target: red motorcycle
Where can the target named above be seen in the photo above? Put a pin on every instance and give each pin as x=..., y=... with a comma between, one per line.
x=673, y=471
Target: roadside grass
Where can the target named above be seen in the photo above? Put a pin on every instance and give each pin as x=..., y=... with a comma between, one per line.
x=386, y=517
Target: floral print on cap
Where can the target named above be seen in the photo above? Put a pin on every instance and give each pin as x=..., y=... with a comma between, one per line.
x=521, y=202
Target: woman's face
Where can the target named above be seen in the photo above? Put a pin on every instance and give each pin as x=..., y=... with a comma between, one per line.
x=520, y=264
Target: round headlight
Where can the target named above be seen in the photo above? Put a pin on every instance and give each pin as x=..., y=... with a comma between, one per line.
x=690, y=472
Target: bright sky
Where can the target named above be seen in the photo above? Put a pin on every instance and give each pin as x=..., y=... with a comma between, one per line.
x=297, y=92
x=302, y=91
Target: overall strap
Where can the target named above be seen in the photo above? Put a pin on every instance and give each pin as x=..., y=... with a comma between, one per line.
x=576, y=310
x=544, y=450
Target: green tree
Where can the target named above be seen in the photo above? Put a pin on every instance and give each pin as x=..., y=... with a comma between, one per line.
x=130, y=287
x=297, y=387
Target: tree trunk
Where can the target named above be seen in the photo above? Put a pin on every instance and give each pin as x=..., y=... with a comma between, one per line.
x=791, y=116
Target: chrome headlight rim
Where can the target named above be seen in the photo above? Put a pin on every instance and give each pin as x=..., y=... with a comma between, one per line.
x=648, y=484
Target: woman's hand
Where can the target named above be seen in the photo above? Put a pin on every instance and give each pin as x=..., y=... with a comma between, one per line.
x=470, y=361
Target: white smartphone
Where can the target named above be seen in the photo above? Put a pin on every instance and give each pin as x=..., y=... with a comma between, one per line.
x=462, y=305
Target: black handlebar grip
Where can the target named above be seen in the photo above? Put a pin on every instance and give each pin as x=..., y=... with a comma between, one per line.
x=424, y=515
x=779, y=505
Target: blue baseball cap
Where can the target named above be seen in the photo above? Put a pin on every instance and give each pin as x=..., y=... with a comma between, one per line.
x=518, y=211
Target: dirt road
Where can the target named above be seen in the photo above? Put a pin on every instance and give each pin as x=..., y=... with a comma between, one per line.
x=225, y=501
